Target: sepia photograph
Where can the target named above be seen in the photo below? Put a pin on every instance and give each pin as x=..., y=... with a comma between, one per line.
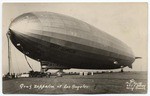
x=75, y=48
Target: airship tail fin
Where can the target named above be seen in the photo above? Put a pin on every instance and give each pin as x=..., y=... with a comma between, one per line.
x=130, y=66
x=138, y=57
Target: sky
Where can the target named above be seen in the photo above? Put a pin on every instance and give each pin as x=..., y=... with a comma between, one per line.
x=125, y=21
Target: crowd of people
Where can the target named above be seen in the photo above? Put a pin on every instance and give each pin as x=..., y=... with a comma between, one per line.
x=10, y=76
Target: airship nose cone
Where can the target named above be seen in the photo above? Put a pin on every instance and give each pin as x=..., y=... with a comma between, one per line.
x=25, y=23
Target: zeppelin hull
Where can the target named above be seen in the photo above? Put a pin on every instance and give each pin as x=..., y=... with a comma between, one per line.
x=69, y=46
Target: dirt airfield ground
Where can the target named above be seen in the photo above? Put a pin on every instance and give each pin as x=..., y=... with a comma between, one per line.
x=113, y=83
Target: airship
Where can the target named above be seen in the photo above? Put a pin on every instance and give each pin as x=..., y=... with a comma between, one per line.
x=58, y=41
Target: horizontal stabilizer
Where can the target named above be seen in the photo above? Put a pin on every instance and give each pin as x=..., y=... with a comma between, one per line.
x=138, y=57
x=130, y=66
